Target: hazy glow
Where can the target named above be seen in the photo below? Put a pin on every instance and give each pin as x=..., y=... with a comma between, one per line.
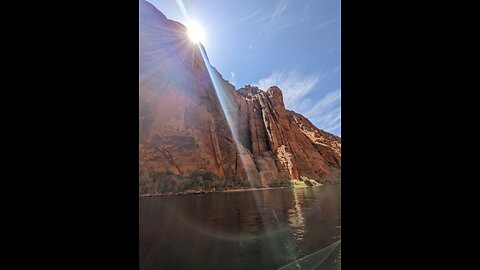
x=195, y=32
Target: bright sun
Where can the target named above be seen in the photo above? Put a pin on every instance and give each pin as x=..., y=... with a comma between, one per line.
x=195, y=33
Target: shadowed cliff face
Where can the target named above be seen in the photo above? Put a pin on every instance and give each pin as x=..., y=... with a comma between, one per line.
x=183, y=129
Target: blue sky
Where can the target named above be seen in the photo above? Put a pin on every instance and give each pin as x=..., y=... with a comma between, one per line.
x=293, y=44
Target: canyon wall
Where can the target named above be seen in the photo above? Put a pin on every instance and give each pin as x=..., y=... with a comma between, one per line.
x=187, y=123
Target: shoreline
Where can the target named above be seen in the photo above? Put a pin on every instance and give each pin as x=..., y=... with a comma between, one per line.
x=194, y=192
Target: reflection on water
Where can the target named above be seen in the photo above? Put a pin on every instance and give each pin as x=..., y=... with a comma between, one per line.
x=240, y=230
x=296, y=219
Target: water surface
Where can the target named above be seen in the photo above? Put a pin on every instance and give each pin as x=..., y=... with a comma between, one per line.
x=265, y=229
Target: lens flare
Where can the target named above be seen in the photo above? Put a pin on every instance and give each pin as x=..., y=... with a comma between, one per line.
x=195, y=32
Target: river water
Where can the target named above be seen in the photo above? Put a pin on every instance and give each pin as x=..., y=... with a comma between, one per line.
x=266, y=229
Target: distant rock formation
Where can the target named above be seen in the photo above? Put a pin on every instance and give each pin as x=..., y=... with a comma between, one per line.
x=183, y=130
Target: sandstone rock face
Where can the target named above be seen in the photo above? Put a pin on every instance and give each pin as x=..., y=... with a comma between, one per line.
x=187, y=125
x=329, y=145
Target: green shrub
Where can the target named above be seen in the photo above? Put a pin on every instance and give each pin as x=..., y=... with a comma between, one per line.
x=164, y=182
x=280, y=183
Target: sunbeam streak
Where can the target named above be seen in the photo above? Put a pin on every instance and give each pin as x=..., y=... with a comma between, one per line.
x=225, y=103
x=182, y=8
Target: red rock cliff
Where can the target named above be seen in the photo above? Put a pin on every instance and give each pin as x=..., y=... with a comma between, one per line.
x=183, y=128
